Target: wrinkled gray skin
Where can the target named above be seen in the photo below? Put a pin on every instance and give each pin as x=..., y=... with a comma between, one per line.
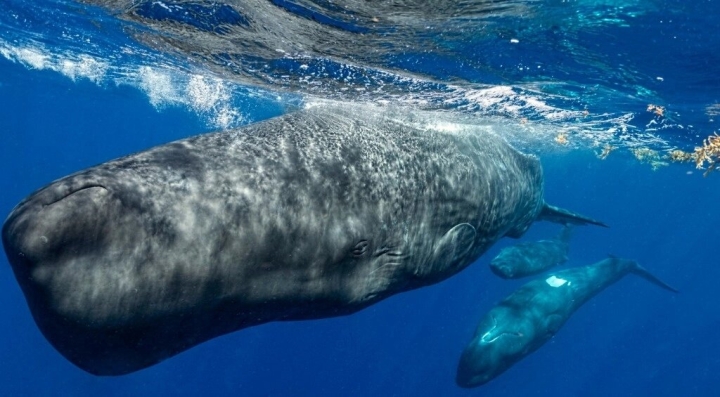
x=315, y=214
x=530, y=316
x=528, y=259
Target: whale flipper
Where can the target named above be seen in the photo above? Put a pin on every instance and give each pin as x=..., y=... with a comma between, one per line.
x=644, y=273
x=455, y=244
x=560, y=215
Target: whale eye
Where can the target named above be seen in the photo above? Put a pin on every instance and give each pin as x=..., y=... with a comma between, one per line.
x=360, y=249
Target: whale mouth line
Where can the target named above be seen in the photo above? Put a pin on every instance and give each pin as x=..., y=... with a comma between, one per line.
x=487, y=338
x=92, y=186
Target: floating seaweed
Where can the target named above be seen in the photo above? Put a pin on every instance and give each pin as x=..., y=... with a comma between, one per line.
x=709, y=152
x=606, y=151
x=680, y=156
x=561, y=139
x=649, y=156
x=657, y=110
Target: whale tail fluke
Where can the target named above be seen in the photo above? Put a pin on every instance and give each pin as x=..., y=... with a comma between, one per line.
x=560, y=215
x=644, y=273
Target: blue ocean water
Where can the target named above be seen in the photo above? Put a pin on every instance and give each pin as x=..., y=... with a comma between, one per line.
x=83, y=83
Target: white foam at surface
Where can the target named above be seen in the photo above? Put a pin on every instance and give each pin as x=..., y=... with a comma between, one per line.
x=227, y=117
x=488, y=97
x=205, y=93
x=212, y=99
x=32, y=58
x=209, y=97
x=35, y=56
x=505, y=100
x=167, y=87
x=158, y=86
x=84, y=67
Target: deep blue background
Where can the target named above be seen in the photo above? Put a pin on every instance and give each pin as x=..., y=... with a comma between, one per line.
x=634, y=339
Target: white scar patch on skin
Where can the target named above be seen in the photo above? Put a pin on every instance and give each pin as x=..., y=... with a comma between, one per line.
x=555, y=281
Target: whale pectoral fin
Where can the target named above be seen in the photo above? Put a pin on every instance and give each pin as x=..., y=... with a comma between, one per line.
x=565, y=217
x=455, y=245
x=553, y=323
x=644, y=273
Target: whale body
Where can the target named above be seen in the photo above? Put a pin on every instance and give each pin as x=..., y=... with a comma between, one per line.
x=317, y=213
x=531, y=258
x=521, y=323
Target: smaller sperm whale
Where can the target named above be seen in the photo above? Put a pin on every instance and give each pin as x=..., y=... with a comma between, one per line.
x=530, y=316
x=529, y=259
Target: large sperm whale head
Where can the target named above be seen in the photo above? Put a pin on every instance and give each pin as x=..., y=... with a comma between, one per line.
x=75, y=248
x=65, y=223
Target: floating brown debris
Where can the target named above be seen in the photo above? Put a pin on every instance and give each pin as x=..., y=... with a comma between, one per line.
x=680, y=156
x=705, y=157
x=658, y=110
x=606, y=151
x=709, y=153
x=649, y=156
x=562, y=139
